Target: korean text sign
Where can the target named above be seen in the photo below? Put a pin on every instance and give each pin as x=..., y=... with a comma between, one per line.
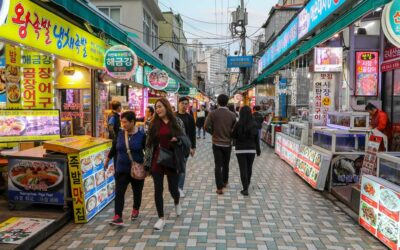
x=323, y=101
x=239, y=61
x=367, y=71
x=37, y=81
x=34, y=26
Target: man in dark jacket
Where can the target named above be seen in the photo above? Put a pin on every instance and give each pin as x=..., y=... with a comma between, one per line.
x=114, y=120
x=259, y=118
x=220, y=123
x=190, y=129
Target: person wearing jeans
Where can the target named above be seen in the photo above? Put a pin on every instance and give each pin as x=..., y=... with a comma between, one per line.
x=201, y=118
x=190, y=131
x=220, y=123
x=119, y=151
x=247, y=145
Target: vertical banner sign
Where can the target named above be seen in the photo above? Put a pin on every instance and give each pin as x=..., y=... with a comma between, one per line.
x=136, y=101
x=37, y=81
x=323, y=101
x=370, y=158
x=367, y=70
x=13, y=76
x=147, y=71
x=75, y=175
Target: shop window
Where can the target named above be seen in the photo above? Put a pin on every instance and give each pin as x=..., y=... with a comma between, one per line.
x=112, y=12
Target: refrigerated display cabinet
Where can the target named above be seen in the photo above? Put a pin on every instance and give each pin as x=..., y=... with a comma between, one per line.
x=389, y=166
x=339, y=141
x=355, y=121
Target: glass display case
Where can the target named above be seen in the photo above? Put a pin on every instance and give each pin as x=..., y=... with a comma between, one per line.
x=339, y=141
x=297, y=130
x=389, y=166
x=356, y=121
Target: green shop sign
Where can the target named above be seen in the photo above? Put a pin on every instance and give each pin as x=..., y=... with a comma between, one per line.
x=184, y=91
x=391, y=22
x=120, y=62
x=173, y=86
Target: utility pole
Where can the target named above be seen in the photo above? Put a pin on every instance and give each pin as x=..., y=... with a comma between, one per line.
x=243, y=36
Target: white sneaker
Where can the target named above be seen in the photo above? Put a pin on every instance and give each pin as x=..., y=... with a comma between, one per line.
x=178, y=209
x=159, y=224
x=181, y=193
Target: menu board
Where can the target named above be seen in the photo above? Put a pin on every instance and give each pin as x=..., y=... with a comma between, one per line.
x=92, y=186
x=29, y=125
x=367, y=71
x=370, y=159
x=380, y=210
x=312, y=166
x=36, y=181
x=288, y=149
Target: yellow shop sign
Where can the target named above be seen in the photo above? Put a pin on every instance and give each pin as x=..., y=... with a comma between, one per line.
x=34, y=26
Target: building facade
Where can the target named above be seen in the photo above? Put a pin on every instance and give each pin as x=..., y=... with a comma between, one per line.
x=216, y=68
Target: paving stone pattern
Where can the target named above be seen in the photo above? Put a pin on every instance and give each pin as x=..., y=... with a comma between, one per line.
x=282, y=212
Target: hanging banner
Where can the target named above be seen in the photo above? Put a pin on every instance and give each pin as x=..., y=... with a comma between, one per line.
x=147, y=71
x=37, y=88
x=13, y=76
x=33, y=26
x=120, y=62
x=158, y=79
x=136, y=101
x=173, y=86
x=367, y=71
x=323, y=97
x=391, y=22
x=139, y=74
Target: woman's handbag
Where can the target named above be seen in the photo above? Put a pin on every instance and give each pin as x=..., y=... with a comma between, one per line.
x=166, y=158
x=137, y=169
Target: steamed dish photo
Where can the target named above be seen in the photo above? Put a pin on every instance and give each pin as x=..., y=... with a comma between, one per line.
x=390, y=200
x=88, y=184
x=110, y=188
x=12, y=73
x=98, y=159
x=388, y=228
x=102, y=195
x=110, y=171
x=36, y=177
x=86, y=164
x=99, y=177
x=13, y=92
x=368, y=214
x=91, y=203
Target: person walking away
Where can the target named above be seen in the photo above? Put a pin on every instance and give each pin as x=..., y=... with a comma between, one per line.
x=247, y=145
x=231, y=108
x=114, y=120
x=201, y=118
x=190, y=130
x=259, y=119
x=148, y=117
x=163, y=132
x=220, y=123
x=119, y=151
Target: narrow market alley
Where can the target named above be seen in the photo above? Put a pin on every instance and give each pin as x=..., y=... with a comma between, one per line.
x=282, y=212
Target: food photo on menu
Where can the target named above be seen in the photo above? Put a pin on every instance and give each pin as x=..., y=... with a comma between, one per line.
x=29, y=126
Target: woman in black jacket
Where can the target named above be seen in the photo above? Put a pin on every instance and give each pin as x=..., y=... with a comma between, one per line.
x=247, y=145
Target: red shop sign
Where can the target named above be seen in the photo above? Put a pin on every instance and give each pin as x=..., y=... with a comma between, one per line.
x=389, y=66
x=391, y=53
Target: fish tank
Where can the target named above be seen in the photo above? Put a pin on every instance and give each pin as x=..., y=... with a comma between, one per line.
x=286, y=129
x=356, y=121
x=389, y=166
x=339, y=141
x=296, y=130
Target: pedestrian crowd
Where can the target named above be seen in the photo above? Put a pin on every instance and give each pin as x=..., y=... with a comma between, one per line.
x=166, y=141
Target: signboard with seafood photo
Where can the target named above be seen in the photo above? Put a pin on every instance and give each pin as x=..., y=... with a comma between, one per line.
x=29, y=125
x=36, y=181
x=287, y=149
x=380, y=210
x=93, y=186
x=313, y=167
x=367, y=72
x=158, y=79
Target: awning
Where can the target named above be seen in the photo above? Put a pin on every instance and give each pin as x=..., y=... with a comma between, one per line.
x=342, y=22
x=246, y=87
x=89, y=13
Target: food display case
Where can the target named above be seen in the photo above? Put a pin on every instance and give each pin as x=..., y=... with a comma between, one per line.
x=339, y=141
x=297, y=130
x=379, y=211
x=389, y=167
x=269, y=131
x=92, y=185
x=353, y=121
x=313, y=166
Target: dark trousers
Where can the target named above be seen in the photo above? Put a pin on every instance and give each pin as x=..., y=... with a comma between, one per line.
x=158, y=179
x=122, y=181
x=246, y=168
x=222, y=156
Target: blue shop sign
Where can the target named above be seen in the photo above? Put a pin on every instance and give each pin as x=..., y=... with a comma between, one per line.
x=239, y=61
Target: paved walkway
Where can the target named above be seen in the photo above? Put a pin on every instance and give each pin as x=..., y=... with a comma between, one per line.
x=282, y=212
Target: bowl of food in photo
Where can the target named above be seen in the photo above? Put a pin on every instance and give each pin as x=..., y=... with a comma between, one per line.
x=13, y=92
x=91, y=203
x=36, y=178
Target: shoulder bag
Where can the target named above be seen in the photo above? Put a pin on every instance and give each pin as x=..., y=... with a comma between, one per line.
x=137, y=169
